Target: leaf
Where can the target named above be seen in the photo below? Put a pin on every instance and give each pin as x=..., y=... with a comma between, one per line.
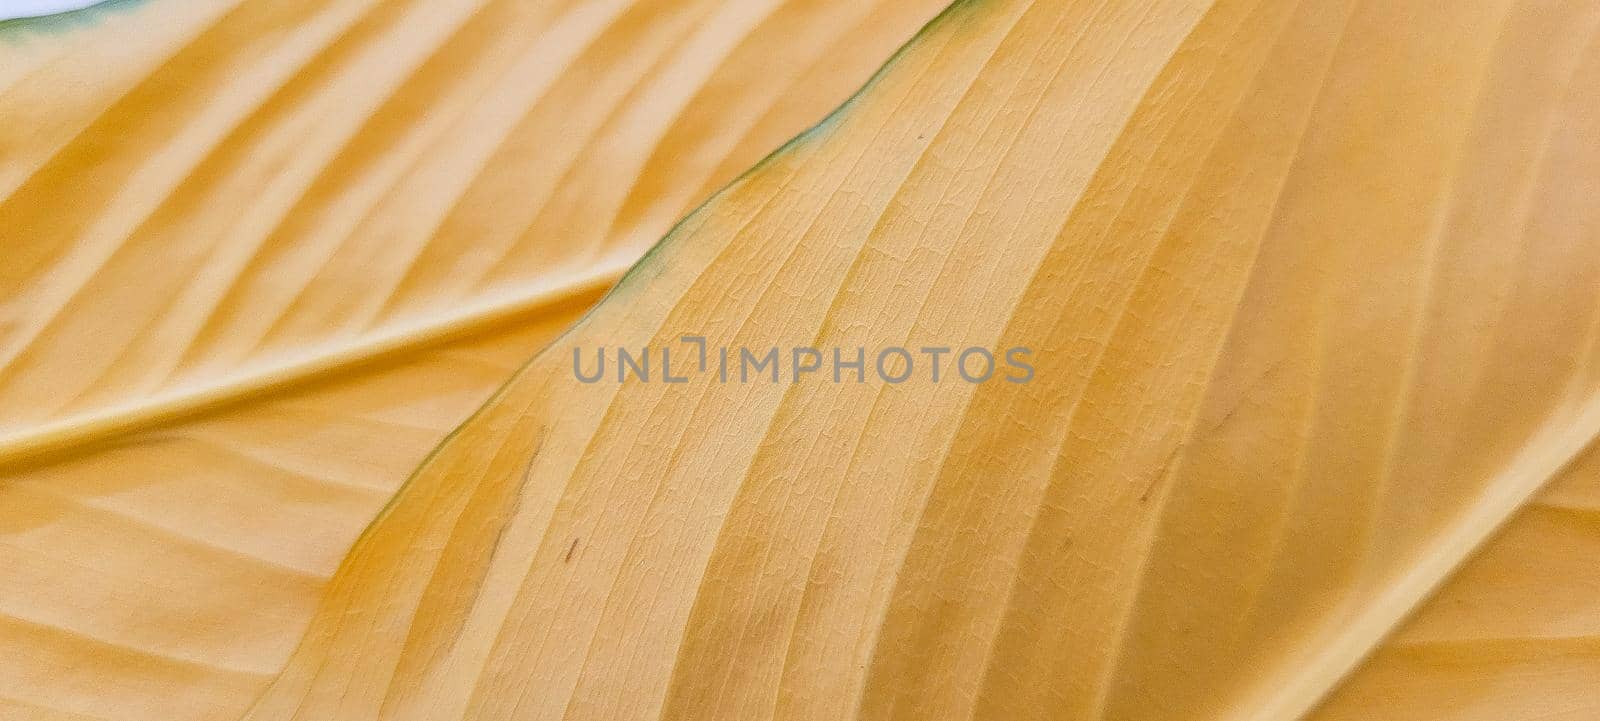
x=1309, y=293
x=259, y=257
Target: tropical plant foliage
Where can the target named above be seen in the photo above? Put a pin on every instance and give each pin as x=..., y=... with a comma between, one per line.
x=258, y=258
x=1308, y=289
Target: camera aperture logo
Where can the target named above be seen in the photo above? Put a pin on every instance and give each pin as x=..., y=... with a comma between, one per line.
x=796, y=364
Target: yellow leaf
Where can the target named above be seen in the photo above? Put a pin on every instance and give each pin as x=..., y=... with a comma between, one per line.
x=257, y=258
x=1309, y=295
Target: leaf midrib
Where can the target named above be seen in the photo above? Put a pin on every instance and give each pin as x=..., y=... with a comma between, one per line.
x=49, y=439
x=1542, y=461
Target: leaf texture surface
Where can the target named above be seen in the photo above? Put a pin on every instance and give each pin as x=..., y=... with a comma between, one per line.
x=258, y=258
x=1310, y=293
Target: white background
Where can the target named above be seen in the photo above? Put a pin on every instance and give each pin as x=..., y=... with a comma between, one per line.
x=28, y=8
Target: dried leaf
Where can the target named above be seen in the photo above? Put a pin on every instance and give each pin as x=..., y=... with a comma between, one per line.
x=257, y=258
x=1310, y=294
